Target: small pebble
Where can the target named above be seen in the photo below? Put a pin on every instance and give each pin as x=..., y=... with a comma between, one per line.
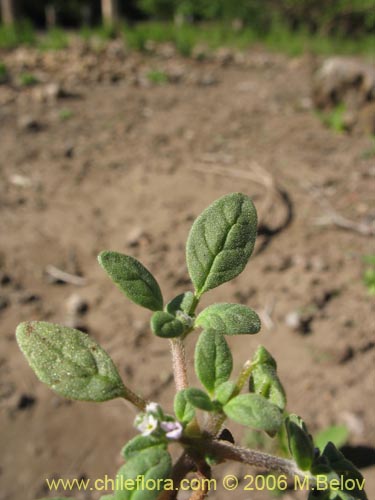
x=76, y=305
x=25, y=402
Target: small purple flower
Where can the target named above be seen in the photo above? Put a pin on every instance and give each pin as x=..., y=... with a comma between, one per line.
x=173, y=429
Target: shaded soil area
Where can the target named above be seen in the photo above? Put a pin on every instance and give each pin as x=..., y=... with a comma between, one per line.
x=124, y=164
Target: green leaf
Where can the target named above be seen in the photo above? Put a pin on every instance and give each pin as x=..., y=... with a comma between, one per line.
x=264, y=379
x=254, y=411
x=224, y=392
x=182, y=303
x=221, y=241
x=133, y=279
x=165, y=325
x=337, y=434
x=300, y=443
x=213, y=360
x=183, y=409
x=199, y=399
x=69, y=362
x=141, y=443
x=345, y=469
x=151, y=464
x=229, y=319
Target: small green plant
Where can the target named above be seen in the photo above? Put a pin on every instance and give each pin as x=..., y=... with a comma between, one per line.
x=19, y=34
x=369, y=274
x=157, y=76
x=28, y=79
x=219, y=245
x=334, y=119
x=104, y=33
x=65, y=114
x=3, y=73
x=54, y=39
x=336, y=434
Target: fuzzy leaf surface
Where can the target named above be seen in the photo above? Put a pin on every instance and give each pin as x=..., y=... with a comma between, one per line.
x=141, y=443
x=166, y=325
x=213, y=360
x=344, y=468
x=229, y=319
x=221, y=241
x=224, y=392
x=182, y=303
x=183, y=409
x=300, y=444
x=254, y=411
x=199, y=399
x=69, y=362
x=133, y=279
x=264, y=379
x=153, y=463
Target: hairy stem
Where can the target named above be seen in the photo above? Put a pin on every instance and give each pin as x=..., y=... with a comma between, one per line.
x=136, y=400
x=214, y=423
x=179, y=364
x=243, y=376
x=181, y=469
x=227, y=451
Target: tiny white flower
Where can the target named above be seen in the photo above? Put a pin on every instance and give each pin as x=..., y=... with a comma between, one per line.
x=152, y=408
x=146, y=424
x=173, y=429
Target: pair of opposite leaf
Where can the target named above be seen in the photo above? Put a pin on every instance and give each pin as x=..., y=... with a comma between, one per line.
x=220, y=243
x=218, y=248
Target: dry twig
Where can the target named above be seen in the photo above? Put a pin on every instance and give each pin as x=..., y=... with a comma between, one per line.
x=59, y=275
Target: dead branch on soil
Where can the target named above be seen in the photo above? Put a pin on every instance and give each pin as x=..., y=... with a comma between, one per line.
x=333, y=218
x=266, y=314
x=59, y=275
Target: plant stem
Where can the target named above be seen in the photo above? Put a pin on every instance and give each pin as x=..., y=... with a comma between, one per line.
x=227, y=451
x=136, y=400
x=243, y=376
x=179, y=364
x=181, y=469
x=215, y=421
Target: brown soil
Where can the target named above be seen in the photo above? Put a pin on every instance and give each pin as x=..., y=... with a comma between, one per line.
x=129, y=170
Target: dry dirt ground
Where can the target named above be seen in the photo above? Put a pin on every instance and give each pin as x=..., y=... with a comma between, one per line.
x=125, y=165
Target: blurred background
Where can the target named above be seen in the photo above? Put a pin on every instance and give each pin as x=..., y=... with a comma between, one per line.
x=119, y=123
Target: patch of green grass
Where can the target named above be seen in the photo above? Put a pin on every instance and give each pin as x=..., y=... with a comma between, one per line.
x=65, y=114
x=21, y=33
x=157, y=76
x=28, y=79
x=369, y=274
x=278, y=38
x=334, y=119
x=187, y=36
x=54, y=39
x=104, y=33
x=294, y=43
x=3, y=72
